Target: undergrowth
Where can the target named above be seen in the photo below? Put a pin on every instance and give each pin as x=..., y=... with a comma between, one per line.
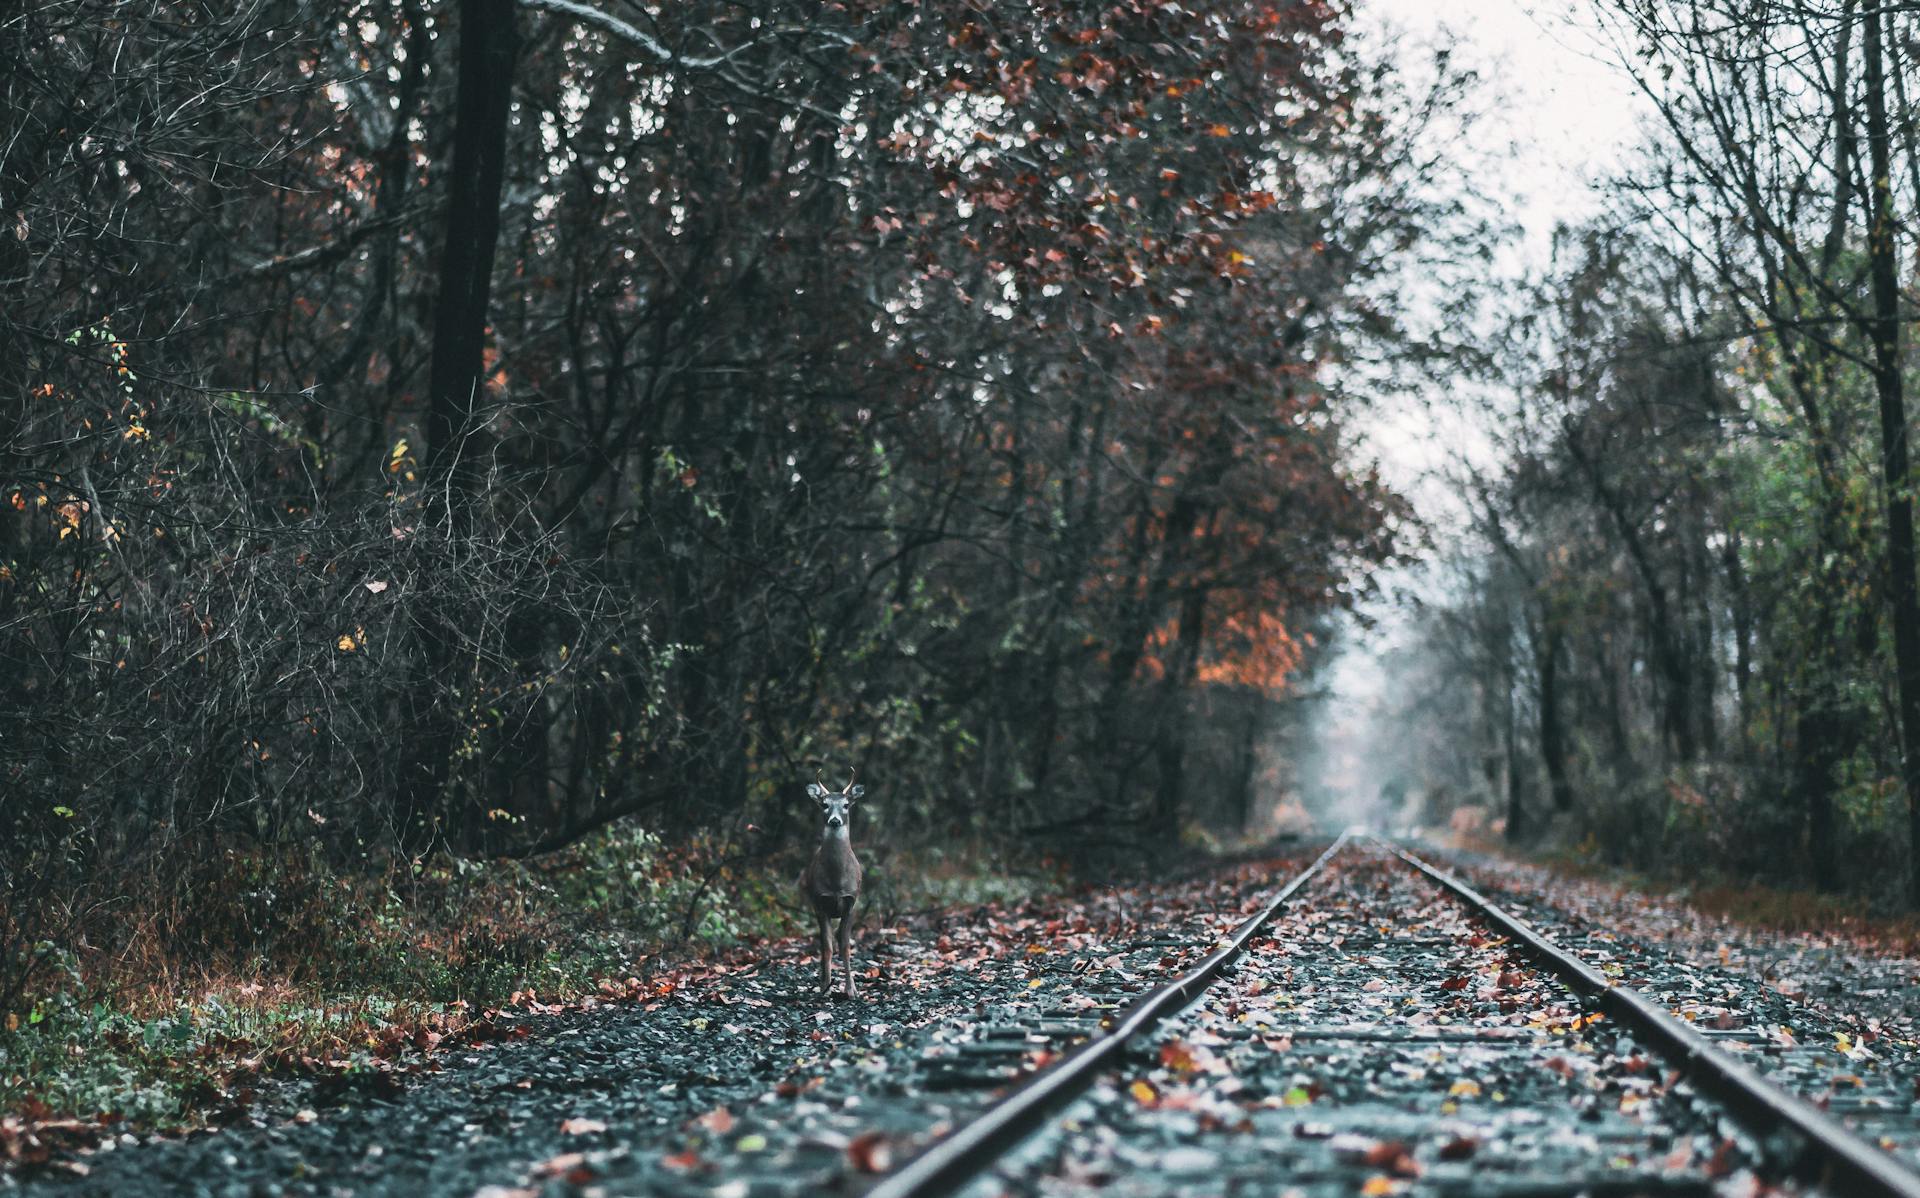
x=170, y=1005
x=1788, y=909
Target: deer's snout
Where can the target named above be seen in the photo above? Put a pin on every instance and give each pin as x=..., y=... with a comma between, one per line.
x=834, y=821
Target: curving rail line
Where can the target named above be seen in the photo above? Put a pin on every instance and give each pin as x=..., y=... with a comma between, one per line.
x=950, y=1162
x=1844, y=1157
x=1840, y=1158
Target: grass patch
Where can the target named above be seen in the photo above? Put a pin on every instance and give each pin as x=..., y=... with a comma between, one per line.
x=186, y=999
x=1790, y=910
x=181, y=998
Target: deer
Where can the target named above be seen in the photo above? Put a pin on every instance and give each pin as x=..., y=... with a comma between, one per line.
x=831, y=881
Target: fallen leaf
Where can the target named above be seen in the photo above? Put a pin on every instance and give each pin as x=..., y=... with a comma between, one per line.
x=1722, y=1163
x=1177, y=1055
x=581, y=1127
x=1395, y=1156
x=570, y=1167
x=1459, y=1148
x=870, y=1153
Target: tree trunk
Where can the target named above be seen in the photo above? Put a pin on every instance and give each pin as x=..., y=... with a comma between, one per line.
x=488, y=45
x=1903, y=592
x=1553, y=739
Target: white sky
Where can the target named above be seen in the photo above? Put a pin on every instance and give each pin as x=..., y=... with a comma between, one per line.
x=1570, y=115
x=1559, y=98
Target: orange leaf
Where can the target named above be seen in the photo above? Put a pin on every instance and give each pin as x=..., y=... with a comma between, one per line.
x=869, y=1153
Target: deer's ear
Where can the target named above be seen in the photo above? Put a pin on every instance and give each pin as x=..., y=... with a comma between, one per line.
x=816, y=791
x=854, y=792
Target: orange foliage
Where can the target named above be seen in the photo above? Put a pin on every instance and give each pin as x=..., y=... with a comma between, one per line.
x=1250, y=648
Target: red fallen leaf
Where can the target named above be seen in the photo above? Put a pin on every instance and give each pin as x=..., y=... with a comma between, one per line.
x=1561, y=1066
x=568, y=1166
x=1455, y=983
x=1459, y=1149
x=679, y=1160
x=719, y=1120
x=1635, y=1064
x=1177, y=1055
x=1722, y=1162
x=581, y=1127
x=1510, y=979
x=870, y=1152
x=1395, y=1157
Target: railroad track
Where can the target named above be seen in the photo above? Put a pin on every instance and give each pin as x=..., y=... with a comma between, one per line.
x=1399, y=1033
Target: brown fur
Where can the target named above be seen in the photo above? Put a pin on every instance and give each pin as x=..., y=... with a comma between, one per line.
x=831, y=884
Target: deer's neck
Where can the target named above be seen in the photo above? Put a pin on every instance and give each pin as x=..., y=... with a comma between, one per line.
x=829, y=835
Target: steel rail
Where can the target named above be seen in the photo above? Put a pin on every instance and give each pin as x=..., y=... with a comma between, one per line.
x=955, y=1159
x=1759, y=1103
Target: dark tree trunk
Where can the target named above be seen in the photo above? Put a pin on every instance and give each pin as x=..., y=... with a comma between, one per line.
x=1818, y=735
x=1903, y=591
x=1553, y=735
x=1171, y=736
x=1517, y=828
x=488, y=45
x=1247, y=761
x=1740, y=614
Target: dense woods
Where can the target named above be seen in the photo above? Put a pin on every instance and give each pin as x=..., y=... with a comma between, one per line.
x=468, y=468
x=435, y=431
x=445, y=433
x=1687, y=618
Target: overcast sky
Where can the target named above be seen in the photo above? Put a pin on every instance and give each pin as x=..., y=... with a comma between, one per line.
x=1571, y=115
x=1569, y=109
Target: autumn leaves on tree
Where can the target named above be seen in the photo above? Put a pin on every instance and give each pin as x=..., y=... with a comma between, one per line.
x=545, y=419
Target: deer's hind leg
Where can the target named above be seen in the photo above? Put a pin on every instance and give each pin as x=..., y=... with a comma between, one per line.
x=826, y=954
x=846, y=951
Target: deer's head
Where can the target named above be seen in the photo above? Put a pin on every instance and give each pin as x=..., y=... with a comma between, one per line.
x=836, y=807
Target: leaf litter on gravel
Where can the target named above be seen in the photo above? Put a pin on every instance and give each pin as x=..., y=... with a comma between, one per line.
x=702, y=1076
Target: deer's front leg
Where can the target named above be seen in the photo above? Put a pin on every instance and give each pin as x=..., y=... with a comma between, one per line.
x=826, y=955
x=846, y=950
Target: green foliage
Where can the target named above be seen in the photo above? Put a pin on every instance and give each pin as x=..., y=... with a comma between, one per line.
x=625, y=878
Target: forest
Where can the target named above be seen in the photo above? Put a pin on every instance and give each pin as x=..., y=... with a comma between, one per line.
x=1683, y=630
x=466, y=466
